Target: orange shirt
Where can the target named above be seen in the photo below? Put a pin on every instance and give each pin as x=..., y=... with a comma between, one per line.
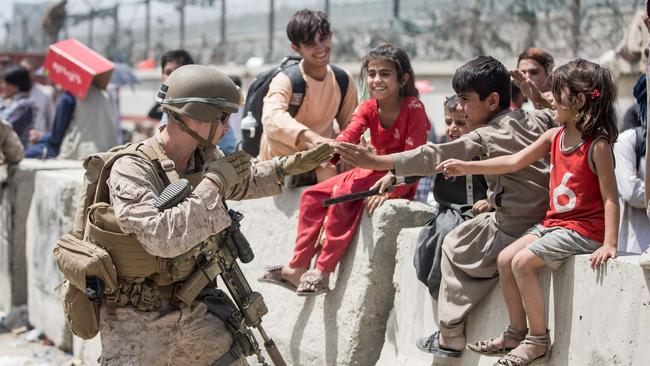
x=317, y=112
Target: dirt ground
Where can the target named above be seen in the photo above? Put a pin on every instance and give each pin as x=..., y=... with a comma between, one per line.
x=17, y=351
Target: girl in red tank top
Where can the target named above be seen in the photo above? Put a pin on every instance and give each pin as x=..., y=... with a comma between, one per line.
x=583, y=204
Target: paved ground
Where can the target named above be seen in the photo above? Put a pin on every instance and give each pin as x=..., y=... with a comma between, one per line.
x=17, y=351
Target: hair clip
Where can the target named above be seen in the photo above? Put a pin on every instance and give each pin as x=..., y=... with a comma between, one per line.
x=595, y=94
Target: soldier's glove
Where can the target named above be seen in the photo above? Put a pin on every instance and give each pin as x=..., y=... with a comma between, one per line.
x=304, y=161
x=229, y=171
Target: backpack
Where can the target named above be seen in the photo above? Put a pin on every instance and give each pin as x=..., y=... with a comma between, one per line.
x=252, y=131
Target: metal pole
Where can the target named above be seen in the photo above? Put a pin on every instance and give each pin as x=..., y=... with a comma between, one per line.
x=181, y=10
x=147, y=28
x=116, y=31
x=7, y=35
x=90, y=28
x=327, y=8
x=223, y=22
x=271, y=27
x=574, y=8
x=396, y=9
x=25, y=24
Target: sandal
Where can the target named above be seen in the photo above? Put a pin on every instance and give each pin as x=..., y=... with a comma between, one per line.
x=490, y=347
x=273, y=274
x=520, y=357
x=431, y=344
x=311, y=285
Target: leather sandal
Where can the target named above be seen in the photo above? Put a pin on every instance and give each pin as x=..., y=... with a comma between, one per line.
x=490, y=347
x=311, y=285
x=431, y=344
x=520, y=357
x=273, y=274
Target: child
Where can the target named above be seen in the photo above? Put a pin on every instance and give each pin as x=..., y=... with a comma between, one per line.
x=397, y=122
x=583, y=213
x=469, y=252
x=459, y=199
x=311, y=37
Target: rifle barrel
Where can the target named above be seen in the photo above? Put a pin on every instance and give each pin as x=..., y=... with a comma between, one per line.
x=360, y=195
x=271, y=349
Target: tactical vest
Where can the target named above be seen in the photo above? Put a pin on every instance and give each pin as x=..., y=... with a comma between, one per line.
x=143, y=279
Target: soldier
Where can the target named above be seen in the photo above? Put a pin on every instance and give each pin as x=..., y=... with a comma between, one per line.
x=145, y=324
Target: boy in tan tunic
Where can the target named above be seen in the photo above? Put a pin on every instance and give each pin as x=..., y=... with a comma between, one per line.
x=469, y=268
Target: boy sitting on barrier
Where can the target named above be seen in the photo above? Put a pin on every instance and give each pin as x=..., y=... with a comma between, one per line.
x=458, y=199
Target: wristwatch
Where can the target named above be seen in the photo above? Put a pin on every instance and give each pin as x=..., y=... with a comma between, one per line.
x=398, y=179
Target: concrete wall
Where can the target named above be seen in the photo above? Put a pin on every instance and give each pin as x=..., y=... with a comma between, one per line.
x=13, y=215
x=346, y=326
x=377, y=308
x=596, y=317
x=51, y=215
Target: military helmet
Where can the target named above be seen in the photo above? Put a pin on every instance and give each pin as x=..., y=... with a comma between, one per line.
x=200, y=92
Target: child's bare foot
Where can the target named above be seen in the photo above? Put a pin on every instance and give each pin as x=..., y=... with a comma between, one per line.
x=292, y=274
x=501, y=344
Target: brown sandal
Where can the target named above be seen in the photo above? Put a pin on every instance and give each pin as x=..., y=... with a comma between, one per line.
x=520, y=357
x=490, y=347
x=273, y=274
x=311, y=285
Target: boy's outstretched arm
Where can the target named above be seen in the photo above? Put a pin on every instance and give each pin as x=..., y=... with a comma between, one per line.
x=363, y=156
x=604, y=162
x=501, y=164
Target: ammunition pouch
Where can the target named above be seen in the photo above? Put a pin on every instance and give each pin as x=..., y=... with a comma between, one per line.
x=131, y=260
x=142, y=296
x=79, y=261
x=146, y=279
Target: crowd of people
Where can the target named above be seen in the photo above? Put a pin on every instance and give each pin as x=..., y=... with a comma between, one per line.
x=535, y=167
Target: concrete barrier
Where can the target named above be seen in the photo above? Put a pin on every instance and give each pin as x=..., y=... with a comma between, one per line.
x=345, y=326
x=13, y=214
x=51, y=215
x=596, y=317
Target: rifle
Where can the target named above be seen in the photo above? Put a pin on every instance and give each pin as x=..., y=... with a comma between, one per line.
x=221, y=260
x=361, y=195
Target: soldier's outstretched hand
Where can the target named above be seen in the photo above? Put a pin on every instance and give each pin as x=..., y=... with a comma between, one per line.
x=304, y=161
x=229, y=170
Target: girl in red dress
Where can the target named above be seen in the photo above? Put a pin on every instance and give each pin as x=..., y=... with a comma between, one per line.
x=397, y=122
x=583, y=210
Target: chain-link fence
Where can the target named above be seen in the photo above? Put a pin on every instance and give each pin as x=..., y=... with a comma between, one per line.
x=428, y=29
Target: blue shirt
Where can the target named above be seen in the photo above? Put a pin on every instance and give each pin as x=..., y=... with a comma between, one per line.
x=50, y=143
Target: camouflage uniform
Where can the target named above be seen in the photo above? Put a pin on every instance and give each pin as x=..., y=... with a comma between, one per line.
x=171, y=335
